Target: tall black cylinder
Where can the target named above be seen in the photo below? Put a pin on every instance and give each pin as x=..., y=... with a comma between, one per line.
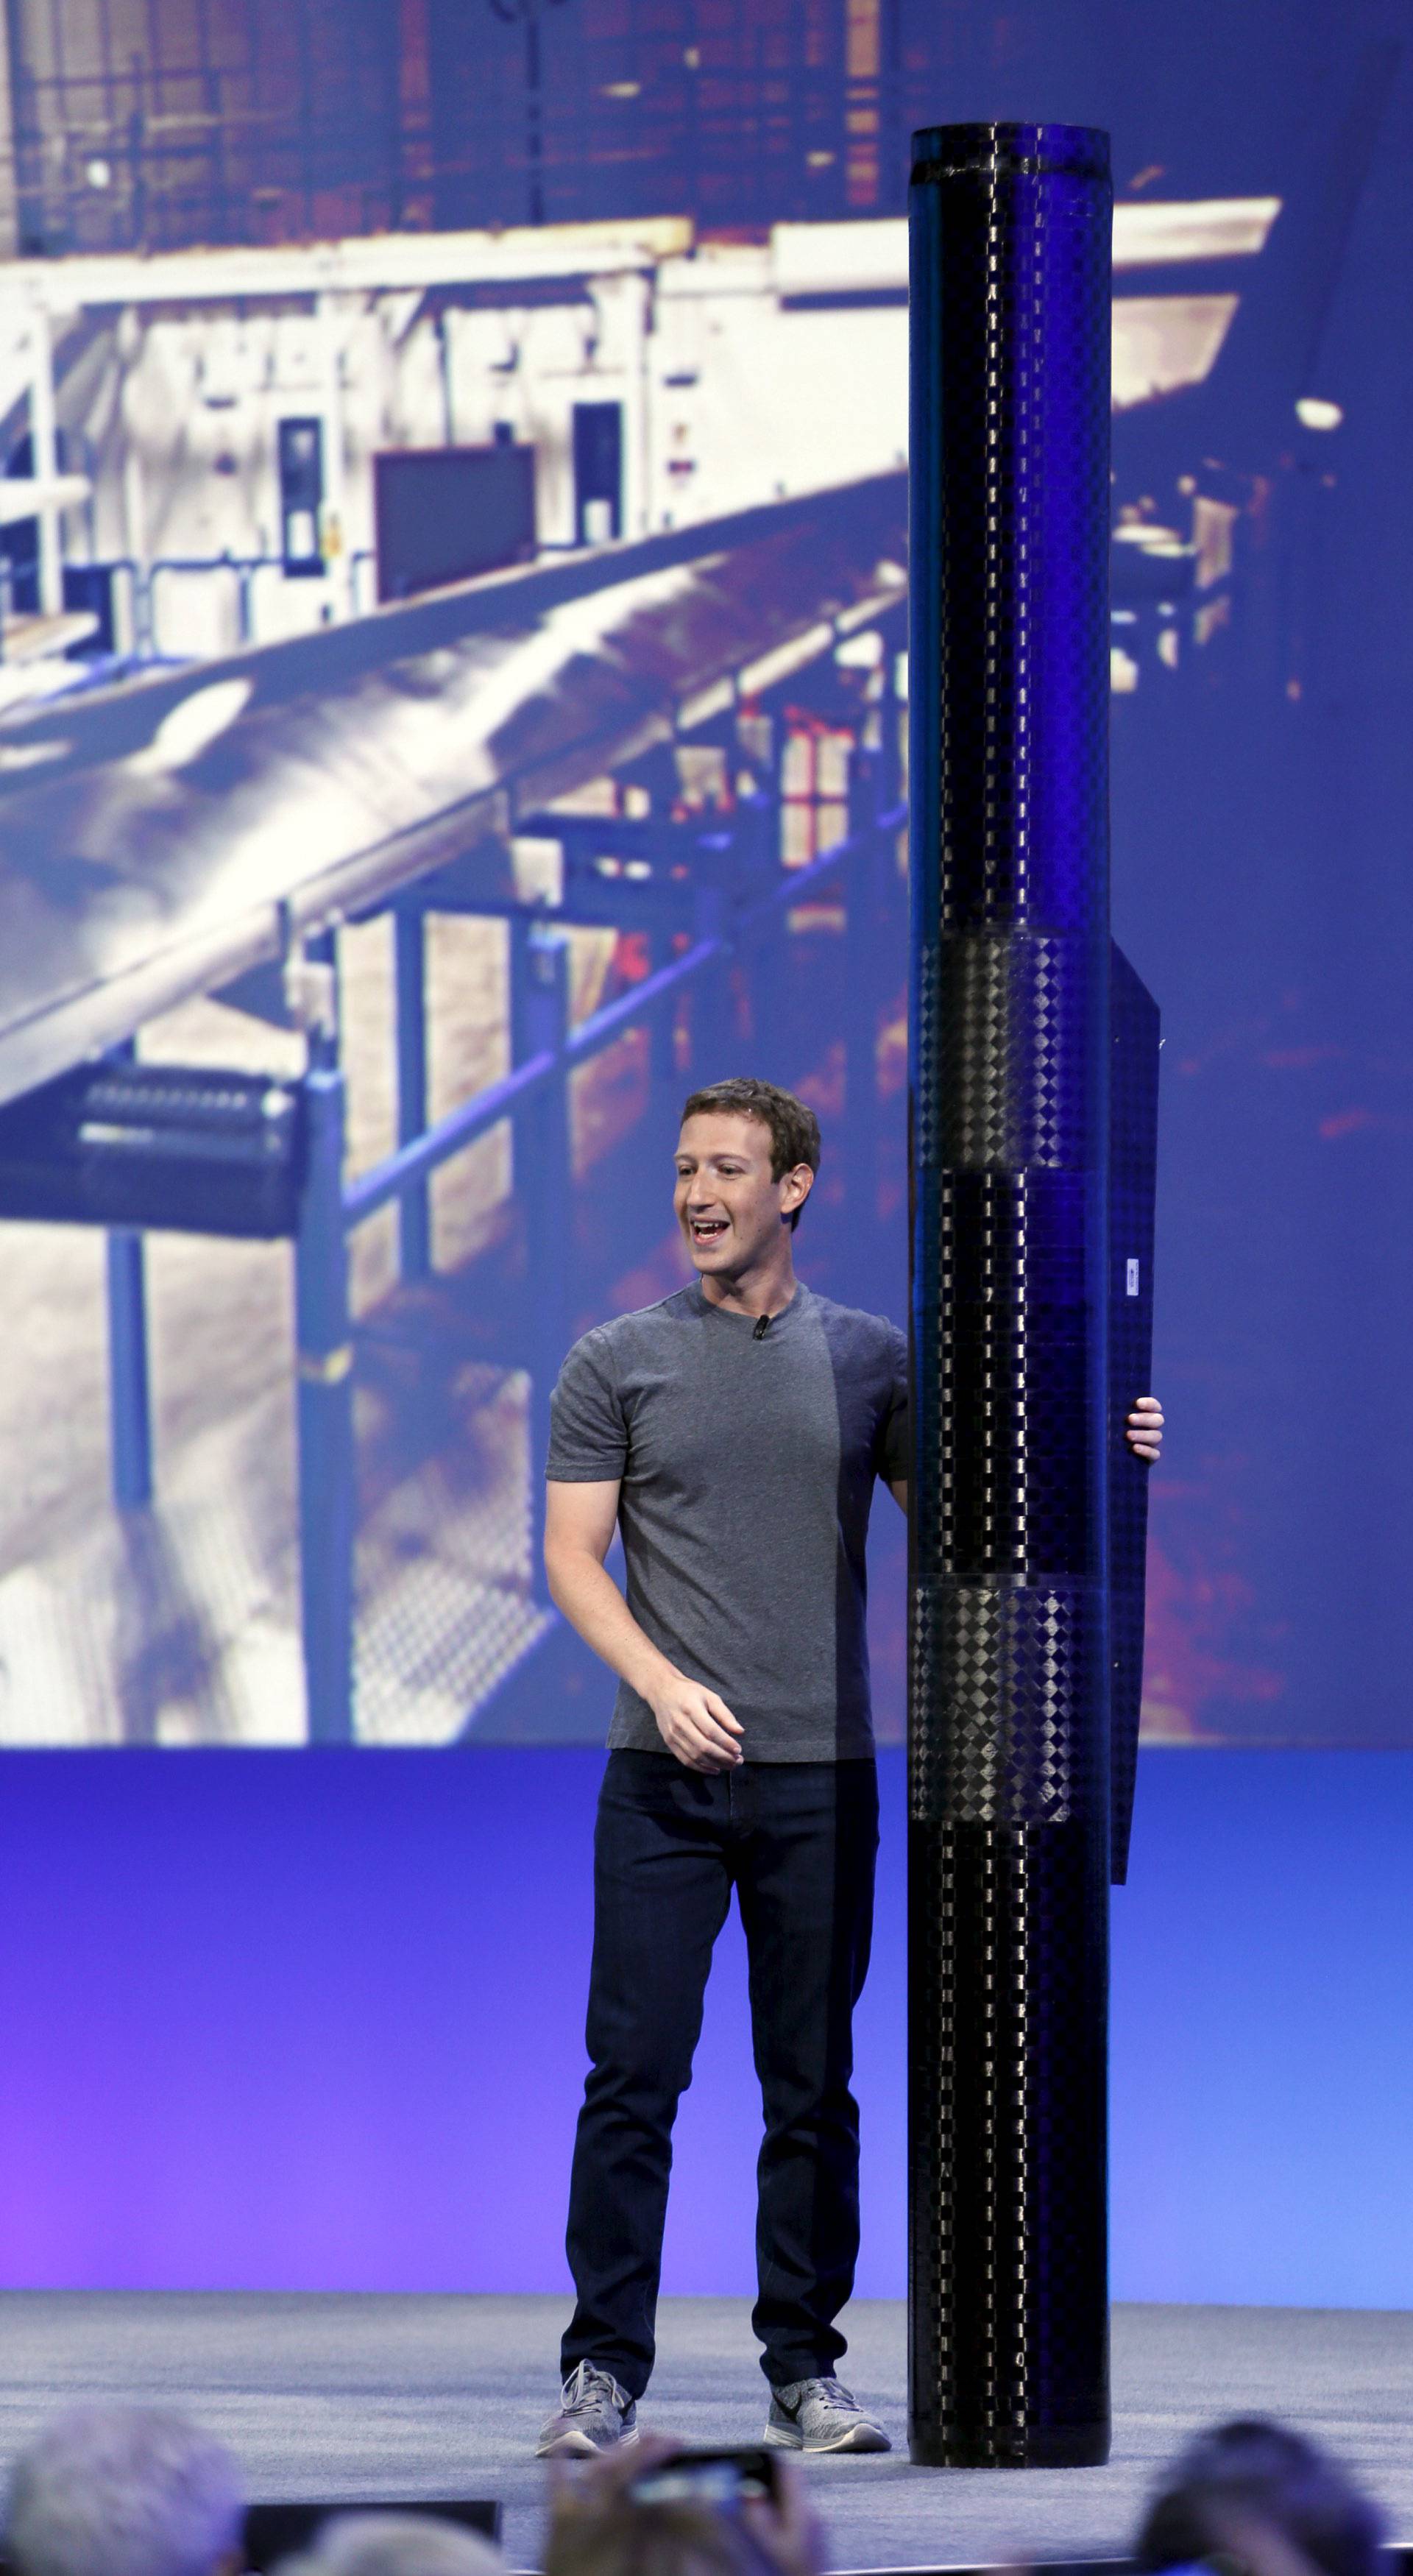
x=1009, y=1662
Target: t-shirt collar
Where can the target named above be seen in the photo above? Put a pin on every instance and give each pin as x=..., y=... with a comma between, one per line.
x=747, y=1323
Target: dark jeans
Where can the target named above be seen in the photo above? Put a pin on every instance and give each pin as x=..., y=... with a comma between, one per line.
x=797, y=1841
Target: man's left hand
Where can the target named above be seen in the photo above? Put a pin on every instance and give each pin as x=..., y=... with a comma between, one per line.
x=1144, y=1428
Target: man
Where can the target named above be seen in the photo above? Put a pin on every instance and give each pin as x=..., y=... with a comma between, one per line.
x=734, y=1432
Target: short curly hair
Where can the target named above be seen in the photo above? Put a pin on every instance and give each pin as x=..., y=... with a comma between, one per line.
x=794, y=1128
x=122, y=2491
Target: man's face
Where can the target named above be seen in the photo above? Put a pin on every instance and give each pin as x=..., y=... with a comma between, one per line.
x=729, y=1208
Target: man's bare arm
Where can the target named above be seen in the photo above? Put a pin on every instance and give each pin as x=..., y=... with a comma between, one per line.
x=694, y=1722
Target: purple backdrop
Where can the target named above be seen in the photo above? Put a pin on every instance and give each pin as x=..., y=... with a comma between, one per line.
x=314, y=2021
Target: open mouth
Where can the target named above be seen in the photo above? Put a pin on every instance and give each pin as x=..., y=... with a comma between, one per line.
x=707, y=1229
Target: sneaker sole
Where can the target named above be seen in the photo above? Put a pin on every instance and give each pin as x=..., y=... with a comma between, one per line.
x=576, y=2445
x=859, y=2437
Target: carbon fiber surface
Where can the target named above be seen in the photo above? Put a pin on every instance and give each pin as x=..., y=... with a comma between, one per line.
x=1010, y=1643
x=1133, y=1154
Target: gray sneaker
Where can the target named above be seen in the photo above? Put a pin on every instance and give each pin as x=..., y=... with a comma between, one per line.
x=595, y=2414
x=819, y=2415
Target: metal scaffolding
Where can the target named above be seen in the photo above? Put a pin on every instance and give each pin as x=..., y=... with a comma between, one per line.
x=713, y=921
x=298, y=120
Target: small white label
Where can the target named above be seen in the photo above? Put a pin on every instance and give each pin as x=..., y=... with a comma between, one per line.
x=1131, y=1278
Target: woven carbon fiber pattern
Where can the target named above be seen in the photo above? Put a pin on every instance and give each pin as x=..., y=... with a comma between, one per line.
x=1015, y=1662
x=1010, y=1644
x=1133, y=1156
x=1013, y=1051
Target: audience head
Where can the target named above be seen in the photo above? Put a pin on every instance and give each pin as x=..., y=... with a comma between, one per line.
x=124, y=2491
x=395, y=2544
x=1263, y=2502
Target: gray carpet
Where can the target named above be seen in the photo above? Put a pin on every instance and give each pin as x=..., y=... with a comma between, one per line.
x=401, y=2397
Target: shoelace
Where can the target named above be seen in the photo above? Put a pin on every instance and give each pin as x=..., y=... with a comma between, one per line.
x=581, y=2391
x=831, y=2388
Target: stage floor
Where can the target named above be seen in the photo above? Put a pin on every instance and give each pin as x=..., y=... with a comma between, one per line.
x=403, y=2397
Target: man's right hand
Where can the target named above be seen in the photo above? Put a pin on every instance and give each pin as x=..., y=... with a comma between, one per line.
x=696, y=1725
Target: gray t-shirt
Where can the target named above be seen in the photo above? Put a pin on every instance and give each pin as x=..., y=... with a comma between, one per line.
x=747, y=1462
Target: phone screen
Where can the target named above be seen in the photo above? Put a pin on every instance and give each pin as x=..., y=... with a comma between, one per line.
x=720, y=2478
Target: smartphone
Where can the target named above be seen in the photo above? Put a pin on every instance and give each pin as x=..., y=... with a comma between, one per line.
x=723, y=2479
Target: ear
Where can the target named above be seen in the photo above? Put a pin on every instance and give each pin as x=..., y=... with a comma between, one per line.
x=795, y=1187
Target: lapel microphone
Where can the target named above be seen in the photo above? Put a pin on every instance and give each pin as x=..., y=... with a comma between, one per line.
x=761, y=1329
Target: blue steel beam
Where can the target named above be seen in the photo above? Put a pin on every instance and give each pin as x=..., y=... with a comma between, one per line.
x=129, y=1390
x=414, y=1214
x=129, y=1375
x=544, y=1177
x=414, y=1164
x=324, y=1418
x=475, y=1118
